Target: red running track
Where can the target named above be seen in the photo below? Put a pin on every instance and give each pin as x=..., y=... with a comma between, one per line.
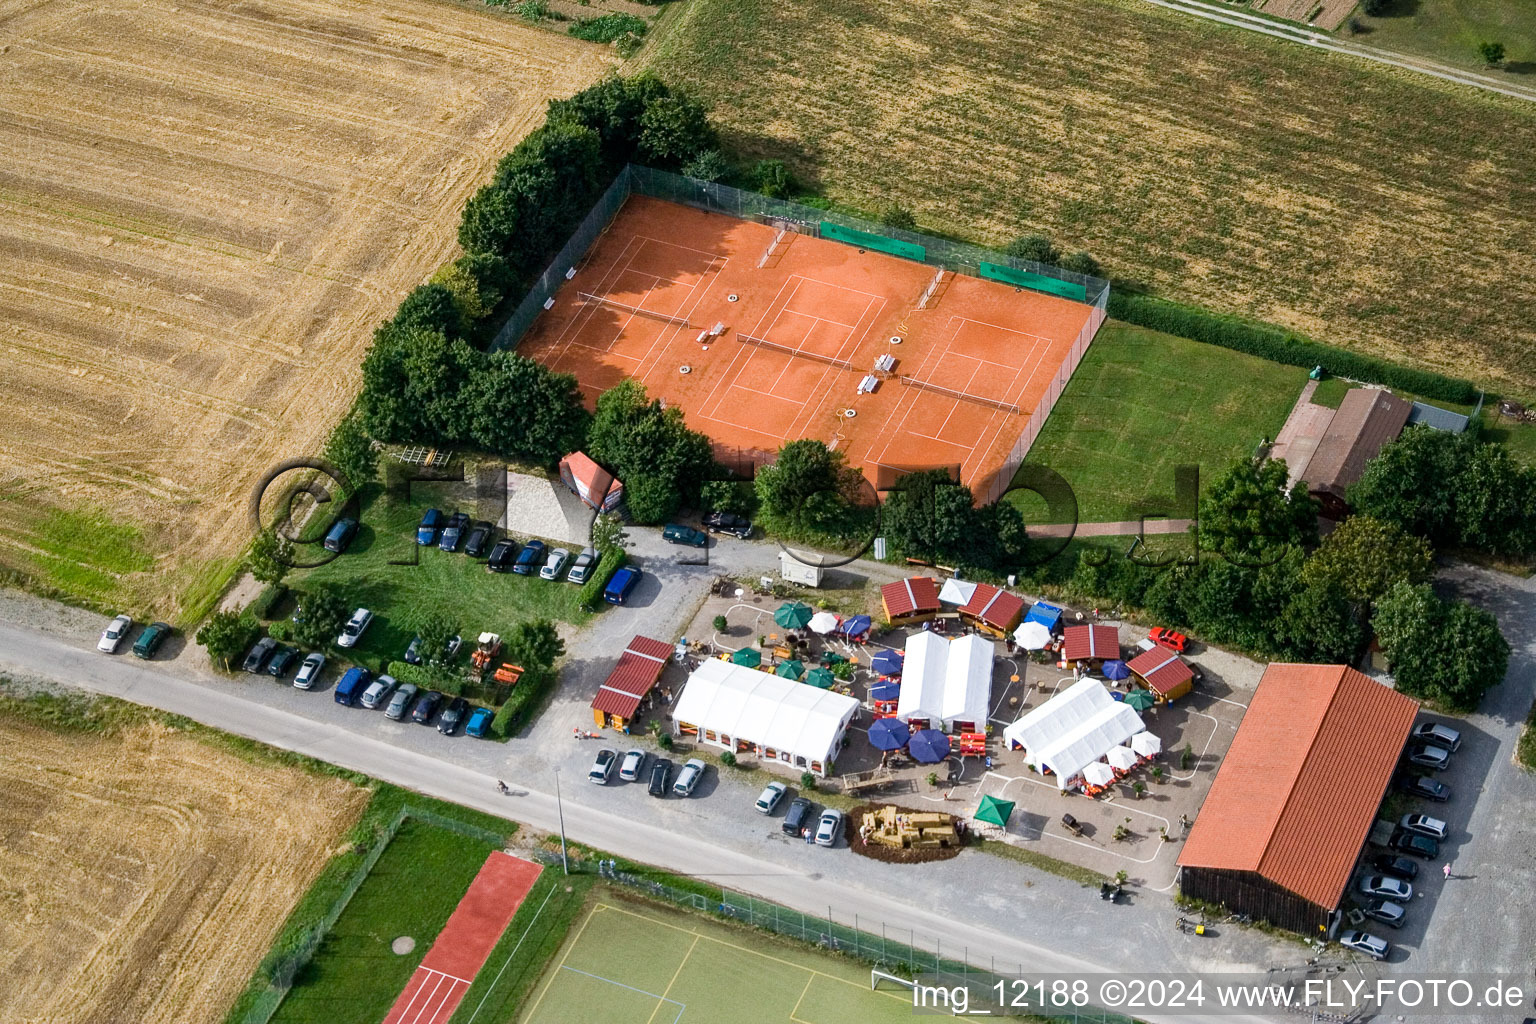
x=434, y=991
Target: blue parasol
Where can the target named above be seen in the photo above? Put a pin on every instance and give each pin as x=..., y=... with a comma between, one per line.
x=885, y=691
x=888, y=734
x=887, y=663
x=928, y=746
x=857, y=626
x=1115, y=669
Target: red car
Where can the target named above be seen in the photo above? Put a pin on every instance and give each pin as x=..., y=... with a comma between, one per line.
x=1175, y=642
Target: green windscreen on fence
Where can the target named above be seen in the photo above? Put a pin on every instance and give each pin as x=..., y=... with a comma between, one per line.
x=1039, y=282
x=869, y=240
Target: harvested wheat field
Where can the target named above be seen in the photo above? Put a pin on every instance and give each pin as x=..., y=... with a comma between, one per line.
x=144, y=875
x=205, y=208
x=1367, y=207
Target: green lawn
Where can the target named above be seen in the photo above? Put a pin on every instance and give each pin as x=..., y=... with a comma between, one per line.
x=476, y=599
x=1142, y=403
x=414, y=887
x=633, y=962
x=1450, y=30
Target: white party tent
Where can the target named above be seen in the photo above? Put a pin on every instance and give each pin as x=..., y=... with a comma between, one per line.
x=1073, y=729
x=945, y=683
x=957, y=591
x=1069, y=708
x=738, y=708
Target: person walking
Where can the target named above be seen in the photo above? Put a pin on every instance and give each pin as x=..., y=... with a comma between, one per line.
x=1447, y=871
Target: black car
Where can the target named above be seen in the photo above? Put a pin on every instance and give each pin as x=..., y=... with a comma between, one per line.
x=1401, y=867
x=799, y=816
x=729, y=522
x=453, y=716
x=530, y=559
x=282, y=661
x=479, y=537
x=502, y=555
x=340, y=535
x=453, y=533
x=661, y=775
x=1428, y=788
x=426, y=706
x=1415, y=845
x=256, y=660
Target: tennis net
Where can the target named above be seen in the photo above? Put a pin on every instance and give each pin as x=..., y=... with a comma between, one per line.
x=774, y=346
x=965, y=396
x=637, y=310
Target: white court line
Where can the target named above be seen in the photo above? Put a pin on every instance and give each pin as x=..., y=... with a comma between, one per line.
x=665, y=999
x=573, y=325
x=672, y=331
x=431, y=1002
x=704, y=409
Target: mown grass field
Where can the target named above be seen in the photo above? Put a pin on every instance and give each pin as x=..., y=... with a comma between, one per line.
x=452, y=583
x=1450, y=30
x=1368, y=208
x=1143, y=403
x=354, y=976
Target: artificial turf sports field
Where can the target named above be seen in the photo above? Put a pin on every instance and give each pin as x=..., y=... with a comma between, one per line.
x=637, y=964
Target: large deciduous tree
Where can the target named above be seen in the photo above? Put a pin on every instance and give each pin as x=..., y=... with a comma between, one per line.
x=1367, y=557
x=1249, y=513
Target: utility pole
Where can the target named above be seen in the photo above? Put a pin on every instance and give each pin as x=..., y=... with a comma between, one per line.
x=565, y=864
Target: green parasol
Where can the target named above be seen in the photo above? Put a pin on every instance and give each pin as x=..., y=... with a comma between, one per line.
x=790, y=669
x=820, y=677
x=1139, y=700
x=748, y=656
x=793, y=615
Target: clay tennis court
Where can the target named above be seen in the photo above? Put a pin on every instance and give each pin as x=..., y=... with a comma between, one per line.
x=445, y=973
x=803, y=323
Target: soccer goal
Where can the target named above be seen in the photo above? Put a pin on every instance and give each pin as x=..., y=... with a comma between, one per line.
x=876, y=976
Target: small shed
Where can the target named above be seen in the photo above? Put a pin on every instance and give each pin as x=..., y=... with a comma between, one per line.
x=910, y=600
x=993, y=610
x=637, y=672
x=1090, y=643
x=593, y=484
x=1166, y=674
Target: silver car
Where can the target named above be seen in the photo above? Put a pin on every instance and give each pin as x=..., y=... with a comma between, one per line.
x=309, y=672
x=582, y=567
x=633, y=766
x=112, y=637
x=554, y=565
x=378, y=691
x=401, y=702
x=1424, y=825
x=1386, y=887
x=1365, y=942
x=352, y=632
x=1435, y=734
x=688, y=778
x=829, y=827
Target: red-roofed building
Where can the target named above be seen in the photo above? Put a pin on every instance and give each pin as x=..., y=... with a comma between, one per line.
x=1090, y=643
x=1165, y=673
x=992, y=610
x=910, y=600
x=638, y=670
x=1290, y=809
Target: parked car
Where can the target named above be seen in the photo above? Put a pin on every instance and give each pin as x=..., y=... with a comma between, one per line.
x=426, y=530
x=479, y=537
x=451, y=647
x=728, y=522
x=401, y=701
x=1424, y=825
x=661, y=771
x=768, y=799
x=1402, y=867
x=453, y=532
x=112, y=637
x=677, y=533
x=453, y=716
x=281, y=661
x=1388, y=913
x=1365, y=942
x=602, y=767
x=798, y=816
x=1425, y=756
x=1386, y=887
x=340, y=535
x=688, y=778
x=425, y=707
x=150, y=640
x=529, y=559
x=1428, y=788
x=1164, y=637
x=633, y=766
x=479, y=723
x=621, y=585
x=256, y=657
x=1415, y=845
x=554, y=565
x=829, y=827
x=502, y=556
x=582, y=567
x=353, y=682
x=353, y=630
x=309, y=672
x=1437, y=735
x=378, y=692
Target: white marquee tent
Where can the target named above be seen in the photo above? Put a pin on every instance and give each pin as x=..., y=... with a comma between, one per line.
x=957, y=591
x=946, y=682
x=1074, y=729
x=730, y=706
x=1069, y=708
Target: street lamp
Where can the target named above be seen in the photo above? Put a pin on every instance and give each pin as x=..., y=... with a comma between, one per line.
x=565, y=864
